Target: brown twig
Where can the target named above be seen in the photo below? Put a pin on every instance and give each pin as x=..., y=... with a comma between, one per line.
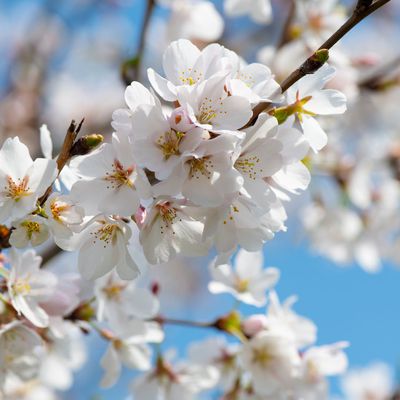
x=65, y=153
x=362, y=10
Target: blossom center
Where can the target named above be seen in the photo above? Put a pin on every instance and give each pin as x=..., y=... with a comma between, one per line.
x=167, y=213
x=242, y=285
x=169, y=143
x=190, y=76
x=200, y=166
x=107, y=233
x=120, y=176
x=248, y=166
x=31, y=228
x=207, y=111
x=19, y=189
x=261, y=357
x=114, y=291
x=21, y=287
x=57, y=209
x=298, y=107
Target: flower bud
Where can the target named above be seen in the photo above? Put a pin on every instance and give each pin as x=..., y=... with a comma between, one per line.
x=140, y=216
x=254, y=324
x=180, y=121
x=321, y=56
x=86, y=144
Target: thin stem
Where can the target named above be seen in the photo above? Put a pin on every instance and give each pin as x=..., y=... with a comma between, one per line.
x=312, y=64
x=181, y=322
x=65, y=154
x=359, y=14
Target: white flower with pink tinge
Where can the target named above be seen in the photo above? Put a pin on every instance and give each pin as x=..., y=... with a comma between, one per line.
x=272, y=361
x=161, y=142
x=18, y=352
x=186, y=65
x=29, y=286
x=128, y=347
x=248, y=282
x=318, y=363
x=22, y=180
x=210, y=107
x=374, y=381
x=103, y=246
x=111, y=182
x=171, y=228
x=307, y=99
x=119, y=300
x=174, y=382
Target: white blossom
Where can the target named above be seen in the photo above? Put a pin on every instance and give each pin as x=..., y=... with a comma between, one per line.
x=22, y=180
x=248, y=282
x=28, y=286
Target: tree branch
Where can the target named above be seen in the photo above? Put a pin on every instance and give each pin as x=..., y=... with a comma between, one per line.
x=65, y=153
x=362, y=10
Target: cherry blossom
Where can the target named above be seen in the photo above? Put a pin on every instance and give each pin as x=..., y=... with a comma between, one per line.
x=110, y=173
x=248, y=282
x=22, y=180
x=17, y=354
x=307, y=99
x=29, y=286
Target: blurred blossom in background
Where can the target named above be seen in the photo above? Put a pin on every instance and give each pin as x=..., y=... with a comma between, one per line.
x=61, y=60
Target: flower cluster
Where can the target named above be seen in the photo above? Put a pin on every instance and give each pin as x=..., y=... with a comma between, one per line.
x=175, y=180
x=275, y=359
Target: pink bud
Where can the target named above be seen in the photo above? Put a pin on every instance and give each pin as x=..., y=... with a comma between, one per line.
x=254, y=324
x=180, y=121
x=140, y=216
